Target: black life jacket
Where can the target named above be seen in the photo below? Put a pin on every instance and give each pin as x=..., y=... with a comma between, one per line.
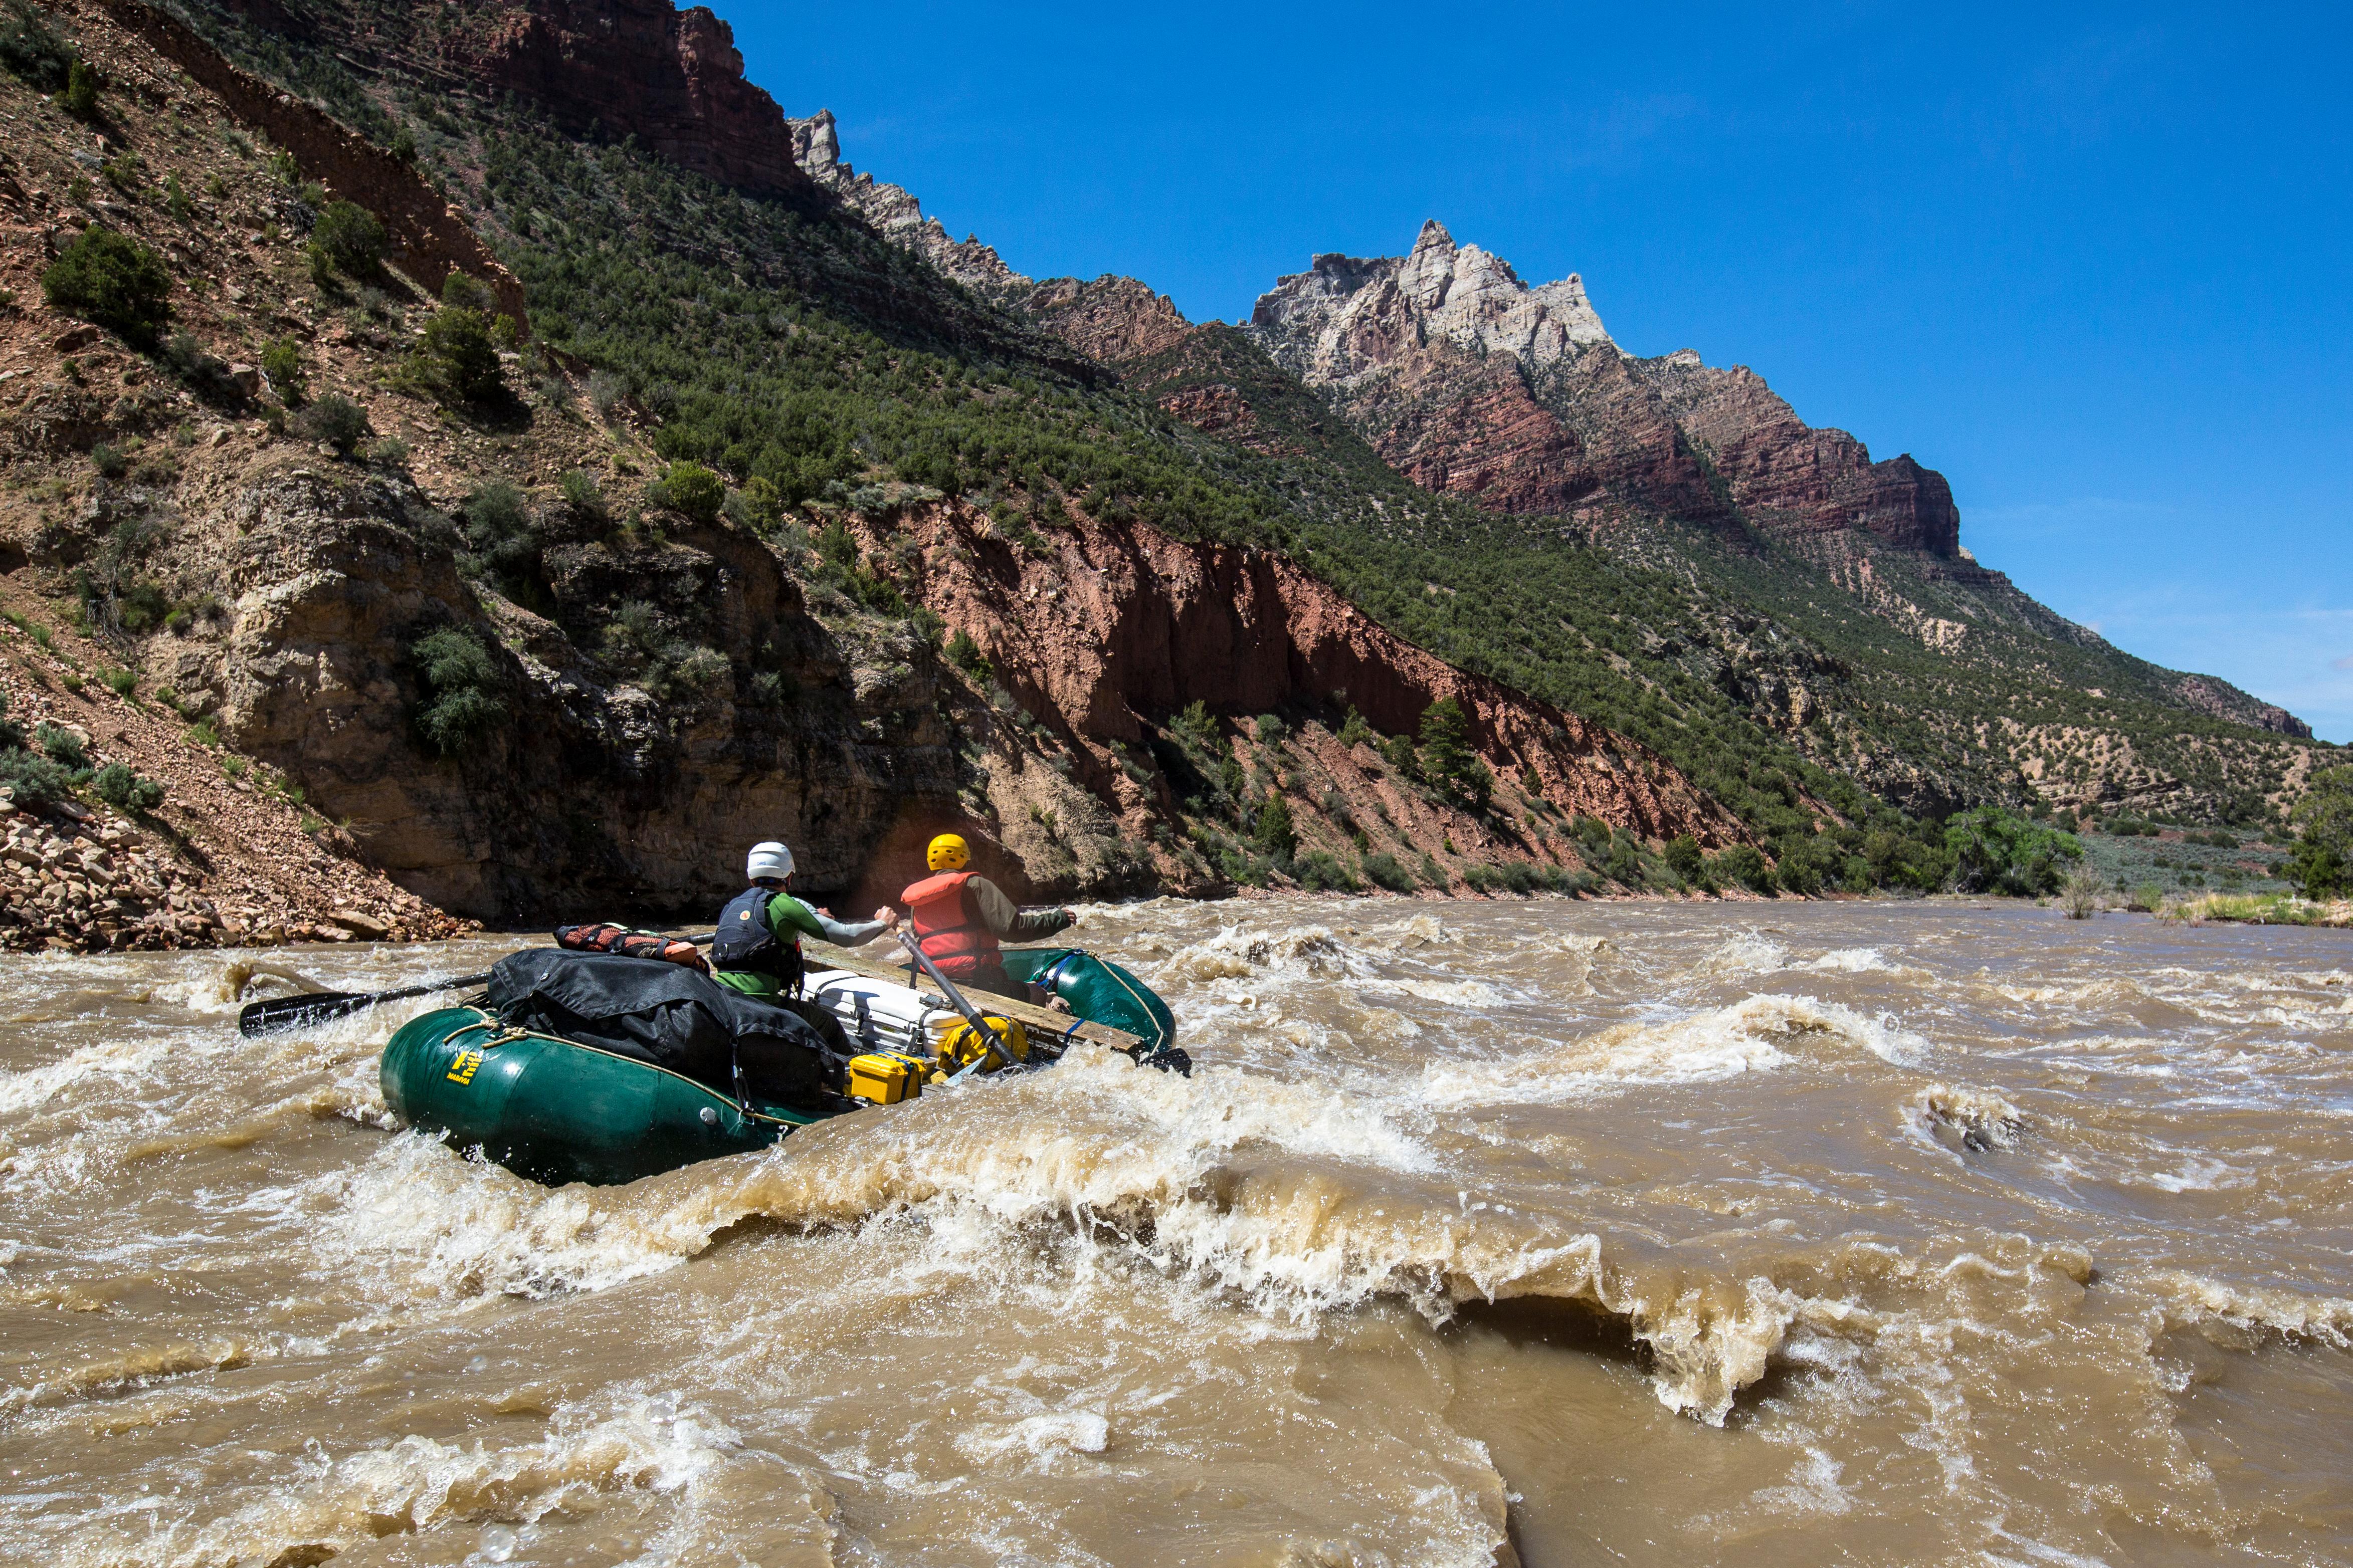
x=747, y=942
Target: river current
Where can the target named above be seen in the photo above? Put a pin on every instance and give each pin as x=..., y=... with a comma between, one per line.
x=1661, y=1233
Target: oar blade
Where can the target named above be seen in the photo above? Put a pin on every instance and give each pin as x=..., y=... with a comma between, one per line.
x=298, y=1012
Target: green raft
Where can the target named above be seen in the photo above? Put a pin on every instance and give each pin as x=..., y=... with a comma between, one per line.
x=557, y=1111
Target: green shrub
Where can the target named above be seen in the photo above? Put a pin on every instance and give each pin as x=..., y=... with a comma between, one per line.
x=503, y=542
x=1196, y=727
x=1743, y=865
x=120, y=787
x=351, y=239
x=456, y=357
x=1446, y=759
x=692, y=491
x=606, y=392
x=1353, y=731
x=2321, y=863
x=31, y=52
x=281, y=362
x=1999, y=851
x=33, y=780
x=1319, y=871
x=1684, y=857
x=468, y=293
x=205, y=373
x=62, y=746
x=966, y=655
x=336, y=420
x=582, y=494
x=463, y=707
x=1273, y=831
x=108, y=460
x=114, y=282
x=81, y=91
x=1383, y=870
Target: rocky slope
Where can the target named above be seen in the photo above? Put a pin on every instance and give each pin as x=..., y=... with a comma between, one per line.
x=665, y=686
x=1450, y=370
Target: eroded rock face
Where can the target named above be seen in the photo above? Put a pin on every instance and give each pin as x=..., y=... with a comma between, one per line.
x=1470, y=381
x=1112, y=319
x=674, y=79
x=1786, y=475
x=594, y=792
x=1119, y=627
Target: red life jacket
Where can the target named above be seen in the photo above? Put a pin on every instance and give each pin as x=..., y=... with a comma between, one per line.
x=946, y=930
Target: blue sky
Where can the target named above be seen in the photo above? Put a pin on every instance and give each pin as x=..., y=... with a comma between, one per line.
x=2091, y=263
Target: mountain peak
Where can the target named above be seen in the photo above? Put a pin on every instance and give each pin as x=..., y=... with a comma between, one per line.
x=1339, y=321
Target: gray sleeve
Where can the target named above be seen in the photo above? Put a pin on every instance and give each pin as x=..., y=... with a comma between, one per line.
x=855, y=935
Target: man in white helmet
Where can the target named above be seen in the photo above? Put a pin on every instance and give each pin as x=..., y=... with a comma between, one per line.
x=757, y=949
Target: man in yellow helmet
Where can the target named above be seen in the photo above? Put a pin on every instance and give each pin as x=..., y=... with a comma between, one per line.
x=960, y=916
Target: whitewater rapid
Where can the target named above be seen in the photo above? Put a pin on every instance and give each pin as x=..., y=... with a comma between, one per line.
x=1887, y=1232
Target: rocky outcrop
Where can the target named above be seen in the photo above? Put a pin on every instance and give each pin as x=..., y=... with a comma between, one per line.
x=1111, y=630
x=893, y=212
x=1790, y=478
x=1346, y=318
x=673, y=79
x=1470, y=382
x=2220, y=699
x=1112, y=319
x=590, y=791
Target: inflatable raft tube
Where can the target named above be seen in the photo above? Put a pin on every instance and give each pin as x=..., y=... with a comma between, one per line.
x=557, y=1111
x=1097, y=989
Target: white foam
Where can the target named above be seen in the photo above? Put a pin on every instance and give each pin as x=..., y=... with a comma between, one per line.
x=1758, y=1034
x=417, y=1484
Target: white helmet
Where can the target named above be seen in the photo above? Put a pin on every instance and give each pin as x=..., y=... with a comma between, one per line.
x=768, y=859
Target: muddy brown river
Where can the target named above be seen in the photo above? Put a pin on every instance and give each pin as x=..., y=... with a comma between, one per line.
x=1866, y=1233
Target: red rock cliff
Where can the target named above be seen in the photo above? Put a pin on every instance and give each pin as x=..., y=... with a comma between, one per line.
x=672, y=78
x=1115, y=629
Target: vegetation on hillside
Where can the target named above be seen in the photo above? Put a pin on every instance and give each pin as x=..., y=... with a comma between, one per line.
x=796, y=367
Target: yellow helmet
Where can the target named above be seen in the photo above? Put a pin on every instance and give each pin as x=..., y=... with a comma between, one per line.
x=948, y=852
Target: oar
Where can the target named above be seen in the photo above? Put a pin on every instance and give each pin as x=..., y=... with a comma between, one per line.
x=972, y=1015
x=321, y=1006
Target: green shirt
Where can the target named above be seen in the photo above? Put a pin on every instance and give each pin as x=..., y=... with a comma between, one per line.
x=792, y=920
